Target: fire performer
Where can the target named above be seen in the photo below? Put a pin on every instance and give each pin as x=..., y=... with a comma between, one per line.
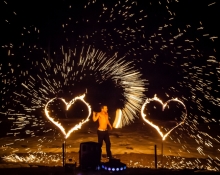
x=102, y=129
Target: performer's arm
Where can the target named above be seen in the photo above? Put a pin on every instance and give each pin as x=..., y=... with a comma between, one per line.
x=109, y=124
x=95, y=116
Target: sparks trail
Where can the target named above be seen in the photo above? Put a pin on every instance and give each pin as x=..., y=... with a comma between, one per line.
x=173, y=56
x=174, y=49
x=53, y=77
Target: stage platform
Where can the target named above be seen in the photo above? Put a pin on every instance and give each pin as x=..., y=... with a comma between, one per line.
x=129, y=171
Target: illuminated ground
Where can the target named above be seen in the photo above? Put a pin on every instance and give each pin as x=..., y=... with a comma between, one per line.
x=133, y=144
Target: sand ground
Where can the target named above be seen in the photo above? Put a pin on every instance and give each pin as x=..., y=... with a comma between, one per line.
x=133, y=145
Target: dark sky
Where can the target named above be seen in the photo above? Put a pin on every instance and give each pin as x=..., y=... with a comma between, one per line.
x=50, y=16
x=167, y=63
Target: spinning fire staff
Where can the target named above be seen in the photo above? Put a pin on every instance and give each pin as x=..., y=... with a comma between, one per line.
x=60, y=126
x=148, y=100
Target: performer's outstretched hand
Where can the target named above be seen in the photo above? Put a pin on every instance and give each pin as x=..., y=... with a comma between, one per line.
x=95, y=116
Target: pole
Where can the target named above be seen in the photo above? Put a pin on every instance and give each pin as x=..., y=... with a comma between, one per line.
x=64, y=153
x=155, y=156
x=162, y=154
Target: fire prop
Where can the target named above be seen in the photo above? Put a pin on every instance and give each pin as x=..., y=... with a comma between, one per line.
x=118, y=118
x=163, y=107
x=68, y=105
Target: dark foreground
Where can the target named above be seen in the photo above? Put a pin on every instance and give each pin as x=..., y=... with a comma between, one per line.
x=77, y=171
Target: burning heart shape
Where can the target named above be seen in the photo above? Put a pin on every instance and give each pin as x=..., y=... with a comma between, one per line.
x=163, y=107
x=59, y=125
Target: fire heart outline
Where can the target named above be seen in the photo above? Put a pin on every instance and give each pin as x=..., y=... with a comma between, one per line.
x=148, y=100
x=68, y=105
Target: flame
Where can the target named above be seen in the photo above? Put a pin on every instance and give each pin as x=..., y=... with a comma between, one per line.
x=117, y=123
x=163, y=107
x=59, y=125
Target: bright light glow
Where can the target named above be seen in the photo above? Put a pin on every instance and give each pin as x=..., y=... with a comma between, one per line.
x=148, y=100
x=78, y=63
x=47, y=73
x=117, y=122
x=59, y=125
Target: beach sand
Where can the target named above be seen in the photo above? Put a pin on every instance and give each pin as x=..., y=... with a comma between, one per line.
x=133, y=145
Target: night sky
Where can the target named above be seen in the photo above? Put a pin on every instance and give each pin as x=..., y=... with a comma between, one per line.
x=172, y=43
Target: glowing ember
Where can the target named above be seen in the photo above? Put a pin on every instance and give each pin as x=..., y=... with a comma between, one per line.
x=182, y=42
x=33, y=158
x=163, y=107
x=59, y=125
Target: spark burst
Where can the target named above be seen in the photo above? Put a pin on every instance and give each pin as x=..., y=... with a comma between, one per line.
x=155, y=35
x=97, y=63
